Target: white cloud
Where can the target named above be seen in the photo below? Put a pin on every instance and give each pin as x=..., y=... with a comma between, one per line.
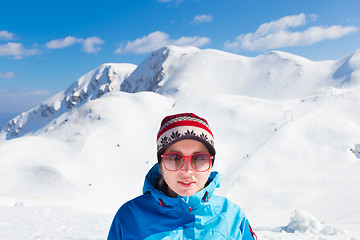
x=62, y=43
x=190, y=41
x=281, y=24
x=7, y=75
x=5, y=35
x=16, y=50
x=146, y=44
x=276, y=34
x=90, y=45
x=202, y=18
x=156, y=40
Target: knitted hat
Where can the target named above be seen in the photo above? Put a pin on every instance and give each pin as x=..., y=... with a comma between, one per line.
x=182, y=126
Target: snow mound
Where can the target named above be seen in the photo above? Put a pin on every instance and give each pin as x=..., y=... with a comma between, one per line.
x=303, y=221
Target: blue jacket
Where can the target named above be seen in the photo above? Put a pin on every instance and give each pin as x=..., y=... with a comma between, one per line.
x=203, y=215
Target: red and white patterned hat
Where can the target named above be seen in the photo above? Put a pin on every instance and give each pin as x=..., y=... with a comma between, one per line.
x=182, y=126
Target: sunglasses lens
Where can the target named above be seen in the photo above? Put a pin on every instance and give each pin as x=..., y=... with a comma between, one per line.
x=200, y=162
x=173, y=161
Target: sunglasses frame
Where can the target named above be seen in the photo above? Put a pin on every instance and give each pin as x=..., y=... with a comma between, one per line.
x=189, y=157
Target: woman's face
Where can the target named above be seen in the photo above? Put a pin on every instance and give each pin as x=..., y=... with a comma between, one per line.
x=186, y=181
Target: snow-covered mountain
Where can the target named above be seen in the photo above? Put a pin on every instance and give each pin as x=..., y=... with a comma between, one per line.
x=348, y=69
x=287, y=135
x=104, y=79
x=189, y=71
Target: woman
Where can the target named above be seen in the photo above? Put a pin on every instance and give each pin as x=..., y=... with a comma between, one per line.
x=178, y=200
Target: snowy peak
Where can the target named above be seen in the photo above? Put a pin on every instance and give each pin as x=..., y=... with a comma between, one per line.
x=106, y=78
x=349, y=69
x=153, y=72
x=285, y=56
x=149, y=73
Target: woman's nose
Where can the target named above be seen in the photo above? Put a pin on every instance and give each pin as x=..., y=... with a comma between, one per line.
x=187, y=165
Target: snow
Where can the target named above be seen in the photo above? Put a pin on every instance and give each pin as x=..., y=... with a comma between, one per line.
x=188, y=71
x=104, y=79
x=51, y=222
x=287, y=143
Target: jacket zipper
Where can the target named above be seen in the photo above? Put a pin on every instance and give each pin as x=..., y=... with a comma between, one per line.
x=187, y=203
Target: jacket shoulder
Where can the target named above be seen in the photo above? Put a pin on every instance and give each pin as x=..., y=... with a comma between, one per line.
x=128, y=220
x=224, y=204
x=139, y=218
x=238, y=225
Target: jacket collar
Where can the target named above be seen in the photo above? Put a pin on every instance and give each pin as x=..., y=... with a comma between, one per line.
x=193, y=201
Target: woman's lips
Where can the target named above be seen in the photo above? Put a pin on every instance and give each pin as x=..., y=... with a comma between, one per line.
x=186, y=183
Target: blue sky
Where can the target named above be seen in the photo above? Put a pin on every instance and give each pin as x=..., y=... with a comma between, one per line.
x=47, y=45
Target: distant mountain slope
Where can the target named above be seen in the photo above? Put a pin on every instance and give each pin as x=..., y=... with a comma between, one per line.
x=189, y=71
x=186, y=71
x=348, y=69
x=105, y=78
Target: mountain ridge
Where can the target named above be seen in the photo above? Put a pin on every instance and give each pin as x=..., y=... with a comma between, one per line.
x=103, y=79
x=185, y=71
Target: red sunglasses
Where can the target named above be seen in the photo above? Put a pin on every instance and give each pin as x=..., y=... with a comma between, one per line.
x=174, y=161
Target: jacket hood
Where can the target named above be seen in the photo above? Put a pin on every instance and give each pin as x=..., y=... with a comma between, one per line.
x=154, y=175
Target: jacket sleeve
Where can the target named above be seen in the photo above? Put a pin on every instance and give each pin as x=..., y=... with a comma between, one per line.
x=115, y=230
x=248, y=233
